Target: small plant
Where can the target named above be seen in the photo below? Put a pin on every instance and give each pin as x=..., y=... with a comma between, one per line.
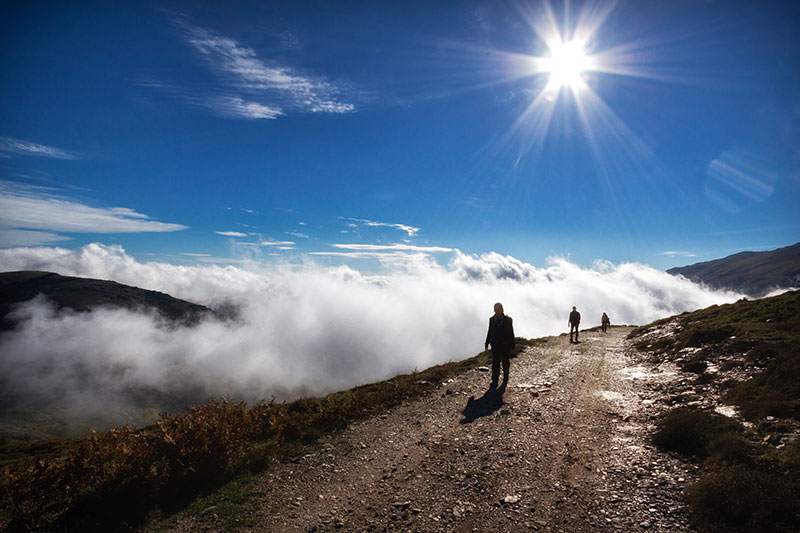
x=691, y=431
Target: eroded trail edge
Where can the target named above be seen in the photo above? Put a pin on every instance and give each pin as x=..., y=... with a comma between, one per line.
x=564, y=448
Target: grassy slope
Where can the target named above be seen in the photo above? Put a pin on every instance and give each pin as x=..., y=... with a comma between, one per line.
x=750, y=476
x=90, y=483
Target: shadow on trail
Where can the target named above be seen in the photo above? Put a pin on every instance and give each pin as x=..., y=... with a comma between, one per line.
x=486, y=405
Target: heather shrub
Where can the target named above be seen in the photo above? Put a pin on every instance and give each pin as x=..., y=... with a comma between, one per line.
x=745, y=497
x=691, y=431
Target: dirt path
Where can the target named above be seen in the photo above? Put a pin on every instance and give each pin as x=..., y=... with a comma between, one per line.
x=563, y=449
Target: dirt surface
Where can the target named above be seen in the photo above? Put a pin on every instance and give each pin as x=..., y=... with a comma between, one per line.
x=564, y=447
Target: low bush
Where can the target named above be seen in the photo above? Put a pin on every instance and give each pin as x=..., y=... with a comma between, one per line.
x=743, y=485
x=690, y=431
x=745, y=497
x=775, y=391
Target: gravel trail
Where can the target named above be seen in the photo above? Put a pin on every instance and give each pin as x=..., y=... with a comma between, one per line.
x=564, y=447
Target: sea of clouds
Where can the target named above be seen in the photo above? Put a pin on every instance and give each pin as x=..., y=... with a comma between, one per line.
x=306, y=329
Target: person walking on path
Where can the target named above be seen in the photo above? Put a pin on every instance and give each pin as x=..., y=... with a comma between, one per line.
x=574, y=322
x=501, y=337
x=604, y=323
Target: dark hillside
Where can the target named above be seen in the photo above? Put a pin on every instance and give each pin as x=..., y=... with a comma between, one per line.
x=753, y=273
x=83, y=294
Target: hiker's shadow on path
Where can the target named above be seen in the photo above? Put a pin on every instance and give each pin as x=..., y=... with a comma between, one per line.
x=486, y=405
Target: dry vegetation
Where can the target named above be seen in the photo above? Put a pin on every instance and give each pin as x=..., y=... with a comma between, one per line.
x=750, y=468
x=124, y=476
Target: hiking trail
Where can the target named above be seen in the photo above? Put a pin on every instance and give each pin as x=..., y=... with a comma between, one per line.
x=565, y=448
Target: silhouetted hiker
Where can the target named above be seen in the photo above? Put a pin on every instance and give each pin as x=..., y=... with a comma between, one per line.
x=604, y=323
x=501, y=337
x=574, y=322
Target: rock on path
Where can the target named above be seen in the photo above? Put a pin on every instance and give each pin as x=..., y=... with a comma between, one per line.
x=563, y=448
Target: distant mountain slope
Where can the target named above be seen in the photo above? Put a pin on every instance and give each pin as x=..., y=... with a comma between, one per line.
x=84, y=294
x=753, y=273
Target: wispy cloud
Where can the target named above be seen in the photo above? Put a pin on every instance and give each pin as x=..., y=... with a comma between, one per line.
x=232, y=233
x=393, y=247
x=298, y=234
x=21, y=237
x=237, y=107
x=30, y=208
x=674, y=253
x=9, y=145
x=363, y=255
x=256, y=89
x=410, y=230
x=276, y=243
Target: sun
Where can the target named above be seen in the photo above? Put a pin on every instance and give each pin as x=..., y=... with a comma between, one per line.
x=566, y=64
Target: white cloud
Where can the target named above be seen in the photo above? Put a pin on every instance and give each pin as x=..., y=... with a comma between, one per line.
x=277, y=86
x=232, y=233
x=21, y=237
x=276, y=243
x=338, y=326
x=364, y=255
x=237, y=107
x=673, y=253
x=10, y=145
x=297, y=234
x=190, y=254
x=400, y=247
x=34, y=209
x=410, y=230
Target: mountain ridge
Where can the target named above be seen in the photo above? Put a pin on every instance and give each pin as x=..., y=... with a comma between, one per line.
x=753, y=273
x=86, y=294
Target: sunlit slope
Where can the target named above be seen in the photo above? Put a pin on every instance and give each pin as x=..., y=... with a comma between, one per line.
x=754, y=273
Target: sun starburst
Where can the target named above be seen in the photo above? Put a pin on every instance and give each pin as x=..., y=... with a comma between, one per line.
x=566, y=64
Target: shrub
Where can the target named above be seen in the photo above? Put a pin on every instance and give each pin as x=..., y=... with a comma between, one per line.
x=744, y=498
x=691, y=431
x=775, y=391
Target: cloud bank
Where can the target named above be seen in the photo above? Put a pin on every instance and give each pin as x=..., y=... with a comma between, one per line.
x=307, y=329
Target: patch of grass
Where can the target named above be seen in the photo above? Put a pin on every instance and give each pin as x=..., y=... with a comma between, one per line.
x=221, y=508
x=760, y=335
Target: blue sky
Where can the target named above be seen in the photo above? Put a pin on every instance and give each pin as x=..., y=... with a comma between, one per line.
x=359, y=131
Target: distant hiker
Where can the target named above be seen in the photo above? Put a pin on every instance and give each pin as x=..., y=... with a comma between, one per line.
x=574, y=322
x=604, y=323
x=501, y=337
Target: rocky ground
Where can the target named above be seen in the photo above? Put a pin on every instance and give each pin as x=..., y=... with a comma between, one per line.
x=564, y=447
